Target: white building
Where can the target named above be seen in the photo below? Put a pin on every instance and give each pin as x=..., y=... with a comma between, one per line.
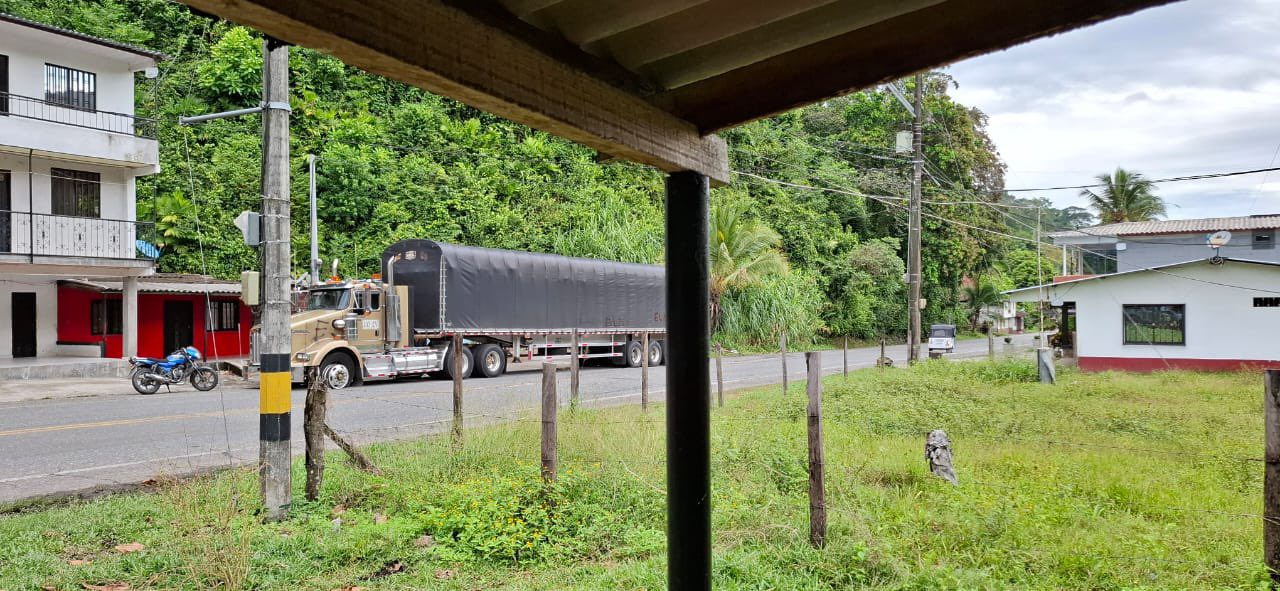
x=1207, y=314
x=1003, y=317
x=71, y=150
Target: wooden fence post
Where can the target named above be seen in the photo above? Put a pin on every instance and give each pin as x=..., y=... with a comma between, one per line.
x=991, y=344
x=782, y=344
x=573, y=371
x=457, y=391
x=817, y=490
x=845, y=351
x=719, y=376
x=313, y=430
x=550, y=411
x=644, y=372
x=1271, y=479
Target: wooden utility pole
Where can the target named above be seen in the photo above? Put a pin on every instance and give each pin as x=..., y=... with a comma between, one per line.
x=550, y=412
x=1271, y=478
x=719, y=376
x=313, y=422
x=782, y=345
x=574, y=363
x=457, y=361
x=276, y=346
x=817, y=488
x=644, y=372
x=913, y=232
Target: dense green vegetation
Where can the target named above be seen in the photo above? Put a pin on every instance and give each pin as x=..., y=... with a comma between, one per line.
x=396, y=162
x=1049, y=498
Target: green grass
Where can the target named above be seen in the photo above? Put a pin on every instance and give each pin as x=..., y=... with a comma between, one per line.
x=1028, y=514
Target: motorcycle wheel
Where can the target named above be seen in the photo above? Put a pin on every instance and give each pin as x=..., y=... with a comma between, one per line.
x=204, y=379
x=141, y=384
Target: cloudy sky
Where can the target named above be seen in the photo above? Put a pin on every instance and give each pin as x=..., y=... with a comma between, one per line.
x=1188, y=88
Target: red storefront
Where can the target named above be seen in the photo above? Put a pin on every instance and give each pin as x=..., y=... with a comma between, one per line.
x=173, y=311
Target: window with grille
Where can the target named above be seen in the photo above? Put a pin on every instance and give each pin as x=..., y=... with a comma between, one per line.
x=224, y=316
x=76, y=192
x=1164, y=324
x=70, y=87
x=106, y=317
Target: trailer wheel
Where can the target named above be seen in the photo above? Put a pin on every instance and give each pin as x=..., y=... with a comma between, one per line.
x=656, y=354
x=634, y=355
x=490, y=361
x=467, y=360
x=338, y=370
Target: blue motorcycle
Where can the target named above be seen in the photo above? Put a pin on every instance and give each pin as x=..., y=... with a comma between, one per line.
x=150, y=373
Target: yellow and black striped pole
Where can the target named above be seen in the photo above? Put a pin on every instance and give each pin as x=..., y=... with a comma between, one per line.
x=273, y=433
x=275, y=343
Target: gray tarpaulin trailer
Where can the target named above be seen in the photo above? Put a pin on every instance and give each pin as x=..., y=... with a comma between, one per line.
x=521, y=305
x=456, y=288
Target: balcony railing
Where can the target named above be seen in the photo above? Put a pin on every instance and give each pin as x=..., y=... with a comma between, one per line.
x=16, y=105
x=42, y=234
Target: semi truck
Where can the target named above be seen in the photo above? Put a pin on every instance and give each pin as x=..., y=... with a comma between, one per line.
x=507, y=307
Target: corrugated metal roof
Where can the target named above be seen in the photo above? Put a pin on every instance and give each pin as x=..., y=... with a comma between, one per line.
x=1131, y=272
x=165, y=283
x=17, y=20
x=1252, y=222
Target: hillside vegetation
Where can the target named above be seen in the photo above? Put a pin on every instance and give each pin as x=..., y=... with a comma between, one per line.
x=1105, y=481
x=396, y=162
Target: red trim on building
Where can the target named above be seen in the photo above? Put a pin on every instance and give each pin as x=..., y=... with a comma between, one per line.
x=74, y=324
x=1062, y=278
x=1150, y=364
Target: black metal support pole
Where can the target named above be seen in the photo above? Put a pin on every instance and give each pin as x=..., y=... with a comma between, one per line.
x=688, y=385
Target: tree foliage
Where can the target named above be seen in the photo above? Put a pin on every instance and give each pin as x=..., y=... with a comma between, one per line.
x=1126, y=196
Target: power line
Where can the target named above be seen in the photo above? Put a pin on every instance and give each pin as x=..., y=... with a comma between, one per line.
x=1174, y=179
x=888, y=201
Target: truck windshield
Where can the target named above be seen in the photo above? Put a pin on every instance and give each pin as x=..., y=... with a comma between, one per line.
x=328, y=299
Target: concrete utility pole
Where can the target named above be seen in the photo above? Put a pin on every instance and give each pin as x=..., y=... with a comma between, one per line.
x=913, y=232
x=275, y=347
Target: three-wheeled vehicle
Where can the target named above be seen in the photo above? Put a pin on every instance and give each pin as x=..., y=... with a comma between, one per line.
x=942, y=338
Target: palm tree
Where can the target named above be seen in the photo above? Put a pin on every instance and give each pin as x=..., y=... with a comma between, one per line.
x=743, y=250
x=1125, y=197
x=979, y=296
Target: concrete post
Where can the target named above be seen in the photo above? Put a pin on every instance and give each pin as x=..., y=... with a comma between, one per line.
x=1044, y=361
x=129, y=309
x=273, y=383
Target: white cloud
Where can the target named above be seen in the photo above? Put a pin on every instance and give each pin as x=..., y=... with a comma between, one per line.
x=1187, y=88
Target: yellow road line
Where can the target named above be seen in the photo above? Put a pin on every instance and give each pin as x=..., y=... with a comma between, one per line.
x=115, y=423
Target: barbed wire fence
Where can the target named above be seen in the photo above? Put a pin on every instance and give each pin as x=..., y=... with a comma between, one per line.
x=549, y=450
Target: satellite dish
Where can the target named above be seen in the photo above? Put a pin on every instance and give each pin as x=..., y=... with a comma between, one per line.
x=1218, y=239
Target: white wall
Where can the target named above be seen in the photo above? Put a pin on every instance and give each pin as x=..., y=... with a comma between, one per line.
x=95, y=136
x=46, y=290
x=118, y=185
x=30, y=49
x=1221, y=322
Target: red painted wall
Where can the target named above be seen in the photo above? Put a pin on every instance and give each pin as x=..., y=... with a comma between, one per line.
x=1150, y=364
x=74, y=315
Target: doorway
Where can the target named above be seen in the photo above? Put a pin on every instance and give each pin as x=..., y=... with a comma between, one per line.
x=24, y=324
x=178, y=326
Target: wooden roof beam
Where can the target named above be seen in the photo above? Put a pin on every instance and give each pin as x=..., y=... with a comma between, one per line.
x=445, y=50
x=929, y=37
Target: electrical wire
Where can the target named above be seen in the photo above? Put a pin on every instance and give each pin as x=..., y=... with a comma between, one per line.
x=1175, y=179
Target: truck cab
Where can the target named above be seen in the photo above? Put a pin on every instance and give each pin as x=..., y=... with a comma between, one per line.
x=339, y=326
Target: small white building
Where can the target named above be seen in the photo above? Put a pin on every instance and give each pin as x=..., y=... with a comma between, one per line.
x=1207, y=314
x=1003, y=317
x=71, y=150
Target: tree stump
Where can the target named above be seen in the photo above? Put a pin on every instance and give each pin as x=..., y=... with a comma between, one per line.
x=937, y=451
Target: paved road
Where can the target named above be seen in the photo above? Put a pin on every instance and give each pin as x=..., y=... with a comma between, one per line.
x=69, y=445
